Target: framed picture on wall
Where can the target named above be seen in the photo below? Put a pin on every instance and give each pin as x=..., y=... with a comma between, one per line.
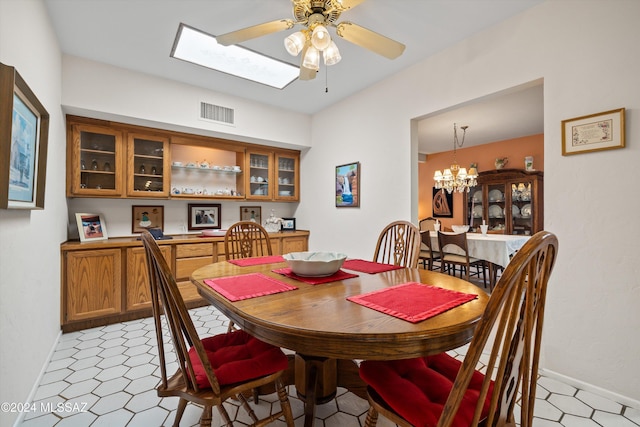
x=24, y=132
x=203, y=216
x=348, y=185
x=251, y=213
x=145, y=217
x=442, y=204
x=596, y=132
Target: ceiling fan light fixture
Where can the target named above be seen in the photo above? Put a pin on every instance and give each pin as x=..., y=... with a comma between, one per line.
x=311, y=59
x=295, y=43
x=331, y=54
x=320, y=38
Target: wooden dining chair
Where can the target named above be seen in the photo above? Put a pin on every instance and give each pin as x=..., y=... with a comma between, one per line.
x=398, y=244
x=427, y=255
x=246, y=239
x=213, y=369
x=449, y=261
x=442, y=391
x=427, y=224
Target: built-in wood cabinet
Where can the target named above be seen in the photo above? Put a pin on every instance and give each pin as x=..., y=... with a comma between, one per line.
x=106, y=281
x=95, y=161
x=107, y=159
x=148, y=166
x=92, y=284
x=137, y=278
x=510, y=201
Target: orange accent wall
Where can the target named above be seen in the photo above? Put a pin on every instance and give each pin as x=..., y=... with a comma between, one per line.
x=484, y=155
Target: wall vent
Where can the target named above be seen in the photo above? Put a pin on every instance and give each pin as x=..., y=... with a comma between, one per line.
x=217, y=113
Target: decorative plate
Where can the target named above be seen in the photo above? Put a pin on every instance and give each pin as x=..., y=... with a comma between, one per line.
x=495, y=212
x=496, y=196
x=526, y=211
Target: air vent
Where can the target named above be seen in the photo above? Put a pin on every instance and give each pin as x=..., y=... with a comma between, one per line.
x=217, y=113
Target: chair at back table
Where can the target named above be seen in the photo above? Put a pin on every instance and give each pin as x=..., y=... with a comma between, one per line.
x=398, y=244
x=427, y=255
x=426, y=224
x=440, y=390
x=242, y=362
x=246, y=239
x=449, y=261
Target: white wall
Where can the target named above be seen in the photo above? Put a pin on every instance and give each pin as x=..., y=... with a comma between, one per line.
x=30, y=240
x=586, y=52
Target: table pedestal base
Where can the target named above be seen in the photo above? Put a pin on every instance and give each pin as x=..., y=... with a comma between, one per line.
x=317, y=378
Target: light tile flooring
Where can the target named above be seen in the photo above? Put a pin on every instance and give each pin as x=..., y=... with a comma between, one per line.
x=106, y=377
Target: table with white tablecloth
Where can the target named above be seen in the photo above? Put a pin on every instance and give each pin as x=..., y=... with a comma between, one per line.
x=494, y=248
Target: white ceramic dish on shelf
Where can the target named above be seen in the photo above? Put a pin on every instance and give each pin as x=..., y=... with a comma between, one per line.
x=477, y=196
x=526, y=211
x=495, y=211
x=496, y=195
x=515, y=211
x=477, y=211
x=314, y=264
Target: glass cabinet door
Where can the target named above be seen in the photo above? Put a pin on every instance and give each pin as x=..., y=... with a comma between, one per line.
x=147, y=164
x=97, y=161
x=287, y=177
x=496, y=208
x=260, y=166
x=522, y=206
x=475, y=208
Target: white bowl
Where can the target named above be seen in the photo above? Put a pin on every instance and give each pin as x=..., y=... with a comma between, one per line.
x=314, y=263
x=214, y=233
x=460, y=228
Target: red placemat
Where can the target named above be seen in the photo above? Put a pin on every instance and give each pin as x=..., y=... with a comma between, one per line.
x=413, y=301
x=246, y=262
x=338, y=275
x=236, y=288
x=368, y=266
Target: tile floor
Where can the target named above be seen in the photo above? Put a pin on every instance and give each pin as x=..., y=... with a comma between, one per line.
x=106, y=377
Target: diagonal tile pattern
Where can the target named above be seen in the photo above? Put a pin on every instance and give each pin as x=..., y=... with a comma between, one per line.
x=107, y=376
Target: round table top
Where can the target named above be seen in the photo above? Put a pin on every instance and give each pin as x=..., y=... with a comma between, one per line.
x=318, y=320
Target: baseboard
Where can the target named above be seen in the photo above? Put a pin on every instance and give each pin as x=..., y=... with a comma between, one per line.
x=624, y=400
x=34, y=389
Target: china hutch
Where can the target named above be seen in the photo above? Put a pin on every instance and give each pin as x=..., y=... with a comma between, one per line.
x=510, y=201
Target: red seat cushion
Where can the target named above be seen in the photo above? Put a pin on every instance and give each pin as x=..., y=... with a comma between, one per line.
x=237, y=357
x=417, y=389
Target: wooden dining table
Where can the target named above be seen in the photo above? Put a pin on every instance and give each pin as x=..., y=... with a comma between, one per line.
x=329, y=333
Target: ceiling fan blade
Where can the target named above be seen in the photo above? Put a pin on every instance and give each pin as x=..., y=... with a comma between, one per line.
x=370, y=40
x=349, y=4
x=239, y=36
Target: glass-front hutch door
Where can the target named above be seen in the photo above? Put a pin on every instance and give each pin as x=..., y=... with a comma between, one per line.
x=148, y=171
x=522, y=207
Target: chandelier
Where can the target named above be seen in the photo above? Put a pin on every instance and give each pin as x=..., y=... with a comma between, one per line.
x=456, y=178
x=311, y=41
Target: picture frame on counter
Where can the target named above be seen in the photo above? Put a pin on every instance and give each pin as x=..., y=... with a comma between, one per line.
x=288, y=224
x=348, y=185
x=204, y=216
x=146, y=217
x=91, y=227
x=251, y=213
x=24, y=134
x=595, y=132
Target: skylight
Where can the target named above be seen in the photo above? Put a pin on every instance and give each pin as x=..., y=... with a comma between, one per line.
x=200, y=48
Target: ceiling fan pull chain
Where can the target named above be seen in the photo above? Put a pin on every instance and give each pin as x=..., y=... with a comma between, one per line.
x=326, y=79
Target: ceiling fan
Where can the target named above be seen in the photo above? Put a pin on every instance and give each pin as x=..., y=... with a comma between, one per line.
x=315, y=16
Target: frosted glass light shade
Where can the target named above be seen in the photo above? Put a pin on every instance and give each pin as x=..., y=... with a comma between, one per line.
x=311, y=59
x=295, y=43
x=331, y=54
x=320, y=38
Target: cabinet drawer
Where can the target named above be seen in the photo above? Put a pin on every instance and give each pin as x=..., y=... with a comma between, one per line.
x=194, y=250
x=185, y=266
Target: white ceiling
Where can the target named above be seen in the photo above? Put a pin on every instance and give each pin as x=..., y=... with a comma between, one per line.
x=138, y=35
